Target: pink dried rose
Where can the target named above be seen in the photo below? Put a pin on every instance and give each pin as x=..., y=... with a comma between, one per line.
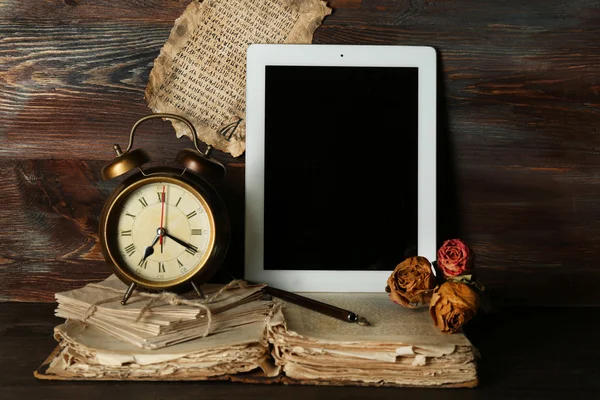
x=454, y=257
x=411, y=283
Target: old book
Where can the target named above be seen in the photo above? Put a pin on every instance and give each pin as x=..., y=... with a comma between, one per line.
x=89, y=353
x=402, y=347
x=291, y=345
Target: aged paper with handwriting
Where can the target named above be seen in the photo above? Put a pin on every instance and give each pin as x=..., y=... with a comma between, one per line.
x=200, y=73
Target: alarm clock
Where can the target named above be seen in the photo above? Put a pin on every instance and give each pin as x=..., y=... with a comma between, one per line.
x=164, y=228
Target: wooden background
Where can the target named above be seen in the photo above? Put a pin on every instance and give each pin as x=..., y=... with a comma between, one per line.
x=519, y=132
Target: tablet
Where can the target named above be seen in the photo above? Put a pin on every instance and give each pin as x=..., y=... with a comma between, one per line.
x=340, y=164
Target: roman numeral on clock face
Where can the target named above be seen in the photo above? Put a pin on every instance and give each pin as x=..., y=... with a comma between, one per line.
x=196, y=231
x=130, y=249
x=160, y=197
x=128, y=233
x=143, y=263
x=192, y=214
x=144, y=202
x=161, y=267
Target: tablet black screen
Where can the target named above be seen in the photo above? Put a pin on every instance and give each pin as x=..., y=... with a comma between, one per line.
x=340, y=167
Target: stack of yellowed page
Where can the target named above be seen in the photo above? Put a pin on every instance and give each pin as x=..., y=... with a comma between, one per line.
x=259, y=341
x=151, y=321
x=401, y=348
x=85, y=352
x=161, y=336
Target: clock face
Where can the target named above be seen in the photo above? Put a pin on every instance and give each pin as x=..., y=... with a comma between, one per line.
x=162, y=232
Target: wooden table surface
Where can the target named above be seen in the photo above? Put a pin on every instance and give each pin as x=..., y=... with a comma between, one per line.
x=533, y=353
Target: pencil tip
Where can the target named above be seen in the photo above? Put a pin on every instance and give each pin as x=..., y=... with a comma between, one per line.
x=362, y=321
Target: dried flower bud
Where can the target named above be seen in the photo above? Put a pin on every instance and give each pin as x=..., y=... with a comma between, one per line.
x=411, y=282
x=452, y=305
x=454, y=257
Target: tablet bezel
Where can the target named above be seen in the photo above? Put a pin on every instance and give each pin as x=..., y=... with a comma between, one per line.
x=261, y=55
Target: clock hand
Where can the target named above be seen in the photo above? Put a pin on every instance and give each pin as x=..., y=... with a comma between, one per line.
x=181, y=242
x=162, y=214
x=150, y=249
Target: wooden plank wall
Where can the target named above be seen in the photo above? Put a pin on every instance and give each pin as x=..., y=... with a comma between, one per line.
x=519, y=132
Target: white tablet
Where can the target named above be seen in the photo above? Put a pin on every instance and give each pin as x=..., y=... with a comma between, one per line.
x=340, y=164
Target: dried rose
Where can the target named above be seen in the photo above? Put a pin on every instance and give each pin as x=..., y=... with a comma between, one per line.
x=454, y=257
x=452, y=305
x=411, y=282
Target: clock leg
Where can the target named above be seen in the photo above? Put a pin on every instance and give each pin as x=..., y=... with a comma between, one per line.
x=198, y=290
x=128, y=293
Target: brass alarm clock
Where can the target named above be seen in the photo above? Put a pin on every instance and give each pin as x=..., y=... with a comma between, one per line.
x=164, y=228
